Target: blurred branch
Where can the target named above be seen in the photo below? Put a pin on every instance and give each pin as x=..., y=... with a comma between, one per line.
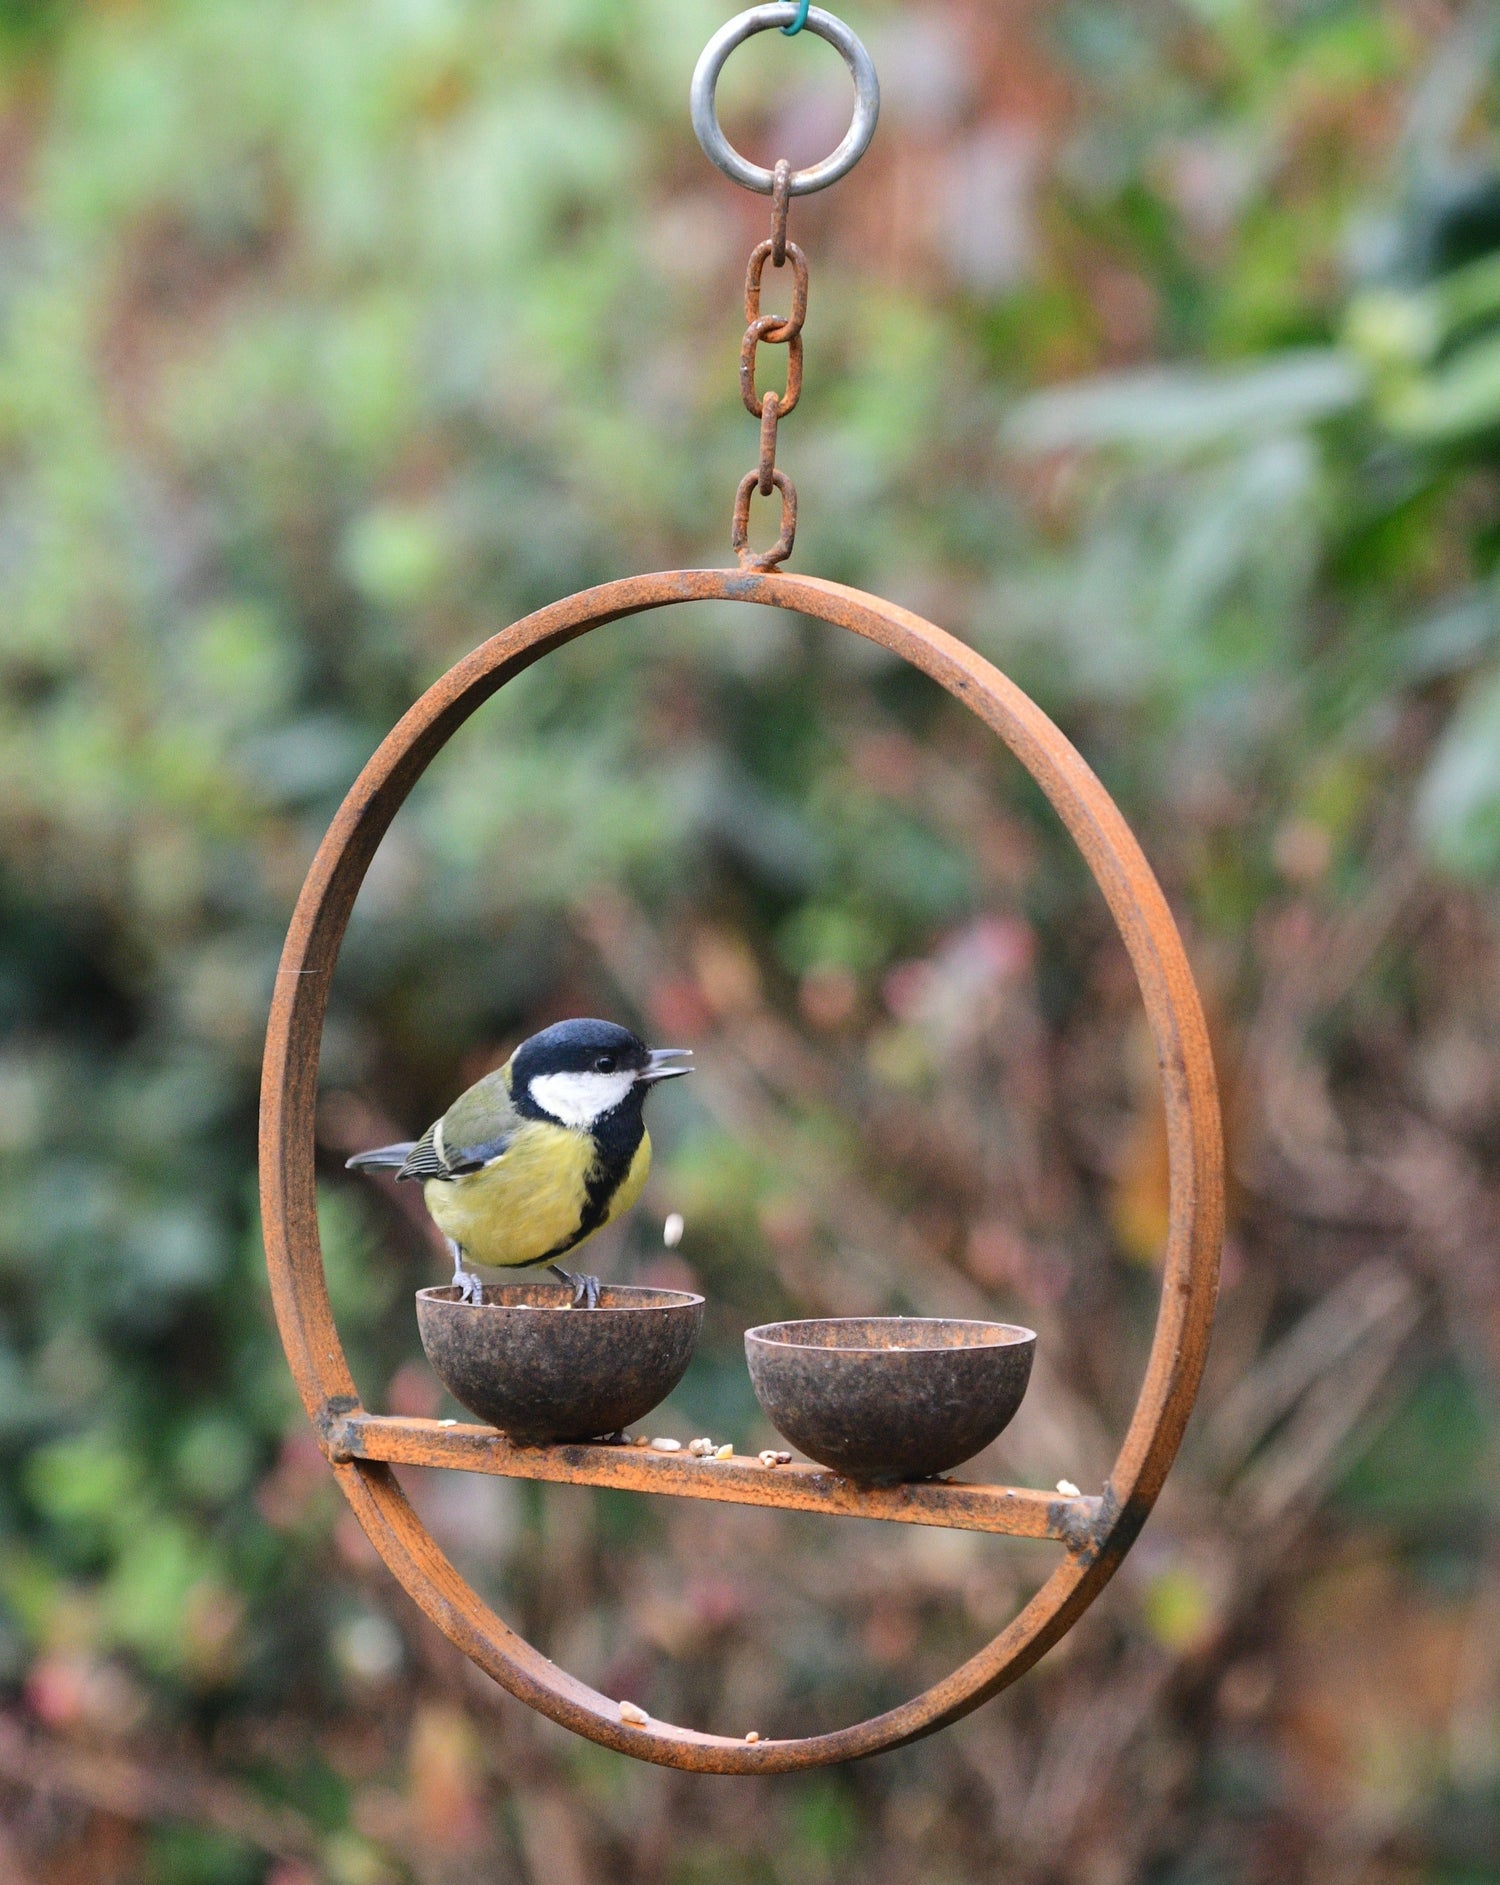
x=1300, y=1464
x=13, y=1868
x=132, y=1790
x=1367, y=1302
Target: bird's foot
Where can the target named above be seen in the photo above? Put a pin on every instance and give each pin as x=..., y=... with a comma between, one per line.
x=469, y=1287
x=585, y=1288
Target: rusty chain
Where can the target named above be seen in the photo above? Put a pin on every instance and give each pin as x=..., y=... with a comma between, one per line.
x=781, y=185
x=771, y=407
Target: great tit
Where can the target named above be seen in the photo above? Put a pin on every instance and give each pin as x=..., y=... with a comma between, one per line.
x=539, y=1155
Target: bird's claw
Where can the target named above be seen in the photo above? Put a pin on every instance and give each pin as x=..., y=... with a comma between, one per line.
x=468, y=1285
x=585, y=1288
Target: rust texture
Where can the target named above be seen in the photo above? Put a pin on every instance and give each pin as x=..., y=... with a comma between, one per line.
x=1190, y=1259
x=771, y=407
x=525, y=1361
x=781, y=202
x=784, y=330
x=740, y=535
x=770, y=414
x=955, y=1505
x=765, y=327
x=886, y=1398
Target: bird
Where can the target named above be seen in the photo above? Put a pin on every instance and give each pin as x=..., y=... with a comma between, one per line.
x=536, y=1157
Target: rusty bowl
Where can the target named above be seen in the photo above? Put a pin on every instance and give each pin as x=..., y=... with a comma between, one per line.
x=525, y=1361
x=886, y=1398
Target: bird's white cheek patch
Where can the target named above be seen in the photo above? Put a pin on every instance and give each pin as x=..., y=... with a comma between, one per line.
x=578, y=1099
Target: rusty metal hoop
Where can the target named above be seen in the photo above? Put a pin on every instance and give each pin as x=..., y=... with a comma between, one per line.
x=289, y=1203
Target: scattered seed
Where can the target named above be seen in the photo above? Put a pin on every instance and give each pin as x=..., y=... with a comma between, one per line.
x=634, y=1714
x=701, y=1449
x=725, y=1452
x=772, y=1458
x=666, y=1446
x=752, y=1736
x=1068, y=1489
x=671, y=1231
x=640, y=1440
x=447, y=1423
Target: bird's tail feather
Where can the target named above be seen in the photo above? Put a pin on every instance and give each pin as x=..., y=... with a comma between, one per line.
x=384, y=1158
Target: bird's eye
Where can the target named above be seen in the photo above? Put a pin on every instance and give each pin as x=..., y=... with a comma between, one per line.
x=605, y=1064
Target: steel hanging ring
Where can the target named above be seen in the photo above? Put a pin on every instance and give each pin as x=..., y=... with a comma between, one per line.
x=763, y=19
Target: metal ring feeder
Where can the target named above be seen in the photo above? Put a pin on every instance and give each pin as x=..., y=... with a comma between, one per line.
x=1095, y=1533
x=764, y=19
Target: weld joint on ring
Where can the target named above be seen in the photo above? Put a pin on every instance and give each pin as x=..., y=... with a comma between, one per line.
x=332, y=1425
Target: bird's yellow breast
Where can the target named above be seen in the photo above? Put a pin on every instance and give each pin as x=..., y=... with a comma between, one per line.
x=530, y=1203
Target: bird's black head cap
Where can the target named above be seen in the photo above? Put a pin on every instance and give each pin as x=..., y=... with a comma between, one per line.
x=578, y=1047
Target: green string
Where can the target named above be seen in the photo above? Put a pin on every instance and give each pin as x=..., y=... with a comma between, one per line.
x=800, y=21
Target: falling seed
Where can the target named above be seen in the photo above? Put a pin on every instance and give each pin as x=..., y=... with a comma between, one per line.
x=666, y=1446
x=634, y=1714
x=671, y=1231
x=1068, y=1489
x=752, y=1736
x=725, y=1452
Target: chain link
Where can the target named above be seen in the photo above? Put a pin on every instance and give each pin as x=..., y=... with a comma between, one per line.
x=770, y=412
x=781, y=549
x=771, y=407
x=759, y=256
x=781, y=200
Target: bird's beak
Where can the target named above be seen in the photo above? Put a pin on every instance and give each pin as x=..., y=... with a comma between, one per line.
x=665, y=1064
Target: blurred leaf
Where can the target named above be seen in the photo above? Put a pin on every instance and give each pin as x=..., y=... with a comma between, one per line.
x=1432, y=1459
x=1174, y=411
x=1458, y=400
x=1458, y=804
x=1453, y=637
x=1180, y=1608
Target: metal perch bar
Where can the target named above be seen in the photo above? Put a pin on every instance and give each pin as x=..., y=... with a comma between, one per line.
x=958, y=1505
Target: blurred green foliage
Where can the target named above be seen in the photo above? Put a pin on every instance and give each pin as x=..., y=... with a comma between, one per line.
x=1156, y=351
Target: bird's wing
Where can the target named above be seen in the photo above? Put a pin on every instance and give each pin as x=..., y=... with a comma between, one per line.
x=473, y=1133
x=425, y=1158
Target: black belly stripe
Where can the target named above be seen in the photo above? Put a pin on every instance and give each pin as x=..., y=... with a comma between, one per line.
x=617, y=1139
